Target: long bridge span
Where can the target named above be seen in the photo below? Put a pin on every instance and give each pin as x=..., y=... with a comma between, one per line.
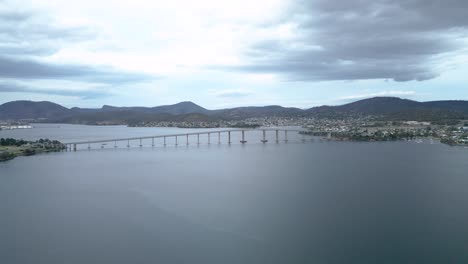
x=281, y=134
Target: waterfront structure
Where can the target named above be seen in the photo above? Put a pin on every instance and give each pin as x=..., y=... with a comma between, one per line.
x=73, y=146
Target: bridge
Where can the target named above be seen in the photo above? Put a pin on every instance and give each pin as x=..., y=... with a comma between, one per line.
x=72, y=146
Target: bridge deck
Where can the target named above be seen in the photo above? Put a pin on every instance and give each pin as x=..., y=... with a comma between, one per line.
x=180, y=135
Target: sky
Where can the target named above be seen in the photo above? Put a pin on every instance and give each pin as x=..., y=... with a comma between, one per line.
x=222, y=54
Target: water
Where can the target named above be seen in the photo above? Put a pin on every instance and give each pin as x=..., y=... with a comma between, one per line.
x=313, y=202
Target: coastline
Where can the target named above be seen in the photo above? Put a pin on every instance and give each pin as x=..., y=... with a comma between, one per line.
x=11, y=148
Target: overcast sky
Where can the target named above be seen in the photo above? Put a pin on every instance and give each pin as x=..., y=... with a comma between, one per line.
x=232, y=53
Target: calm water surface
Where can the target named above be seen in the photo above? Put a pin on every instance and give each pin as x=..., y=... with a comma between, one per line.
x=314, y=202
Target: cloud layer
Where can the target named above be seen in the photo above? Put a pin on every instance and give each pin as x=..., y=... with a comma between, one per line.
x=363, y=39
x=11, y=87
x=32, y=69
x=232, y=52
x=27, y=39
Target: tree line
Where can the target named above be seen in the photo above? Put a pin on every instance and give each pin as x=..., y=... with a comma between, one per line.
x=21, y=142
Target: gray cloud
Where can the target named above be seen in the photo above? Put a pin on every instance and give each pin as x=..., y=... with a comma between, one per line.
x=32, y=69
x=364, y=39
x=26, y=33
x=10, y=87
x=13, y=16
x=26, y=38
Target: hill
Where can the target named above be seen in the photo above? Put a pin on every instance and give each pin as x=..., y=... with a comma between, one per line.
x=396, y=108
x=256, y=111
x=379, y=106
x=390, y=108
x=180, y=109
x=174, y=109
x=452, y=105
x=32, y=110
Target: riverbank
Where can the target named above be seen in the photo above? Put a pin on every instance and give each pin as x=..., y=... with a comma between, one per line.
x=11, y=148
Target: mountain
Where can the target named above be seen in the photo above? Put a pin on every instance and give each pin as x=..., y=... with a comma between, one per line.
x=175, y=109
x=185, y=108
x=388, y=105
x=390, y=108
x=54, y=112
x=257, y=111
x=77, y=110
x=379, y=106
x=32, y=110
x=110, y=108
x=452, y=105
x=371, y=106
x=130, y=117
x=180, y=109
x=393, y=108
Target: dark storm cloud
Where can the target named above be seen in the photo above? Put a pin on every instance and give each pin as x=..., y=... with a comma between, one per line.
x=364, y=39
x=10, y=87
x=26, y=38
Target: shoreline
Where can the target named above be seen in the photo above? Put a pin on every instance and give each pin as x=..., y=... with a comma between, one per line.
x=7, y=155
x=439, y=140
x=12, y=148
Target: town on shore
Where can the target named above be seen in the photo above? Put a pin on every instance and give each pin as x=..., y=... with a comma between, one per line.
x=347, y=129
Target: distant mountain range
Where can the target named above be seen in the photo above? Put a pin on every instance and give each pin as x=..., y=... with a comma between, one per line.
x=387, y=107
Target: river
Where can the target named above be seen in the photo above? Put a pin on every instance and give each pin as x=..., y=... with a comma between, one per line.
x=298, y=202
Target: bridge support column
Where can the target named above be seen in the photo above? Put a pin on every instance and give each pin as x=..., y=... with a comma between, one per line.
x=141, y=144
x=74, y=147
x=176, y=143
x=209, y=138
x=187, y=140
x=115, y=144
x=264, y=140
x=164, y=141
x=243, y=141
x=198, y=139
x=128, y=143
x=89, y=146
x=229, y=137
x=219, y=137
x=277, y=136
x=152, y=142
x=285, y=136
